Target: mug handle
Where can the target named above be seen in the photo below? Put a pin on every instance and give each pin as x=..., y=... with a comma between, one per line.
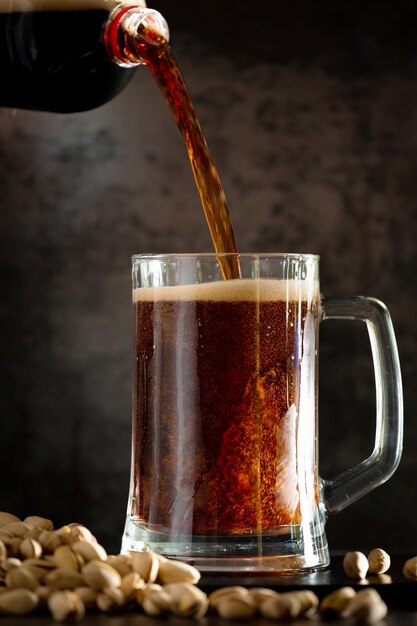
x=363, y=477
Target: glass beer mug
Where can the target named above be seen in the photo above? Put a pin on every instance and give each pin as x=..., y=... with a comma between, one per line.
x=224, y=457
x=72, y=55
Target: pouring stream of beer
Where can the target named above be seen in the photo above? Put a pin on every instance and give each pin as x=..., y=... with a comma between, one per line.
x=164, y=69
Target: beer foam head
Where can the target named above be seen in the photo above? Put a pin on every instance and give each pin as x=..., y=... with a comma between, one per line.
x=238, y=290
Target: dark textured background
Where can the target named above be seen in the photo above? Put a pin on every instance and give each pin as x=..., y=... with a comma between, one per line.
x=310, y=111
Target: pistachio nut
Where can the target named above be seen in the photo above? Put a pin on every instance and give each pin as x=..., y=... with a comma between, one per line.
x=410, y=568
x=355, y=565
x=367, y=606
x=336, y=602
x=30, y=549
x=89, y=551
x=66, y=558
x=121, y=563
x=308, y=600
x=154, y=600
x=146, y=564
x=10, y=563
x=88, y=596
x=78, y=532
x=130, y=584
x=284, y=607
x=64, y=578
x=33, y=533
x=236, y=607
x=7, y=518
x=187, y=600
x=100, y=575
x=230, y=591
x=18, y=529
x=177, y=571
x=66, y=605
x=49, y=540
x=21, y=578
x=3, y=551
x=111, y=600
x=39, y=522
x=259, y=594
x=18, y=601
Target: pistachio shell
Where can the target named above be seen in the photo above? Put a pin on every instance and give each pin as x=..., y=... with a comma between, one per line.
x=187, y=600
x=367, y=606
x=355, y=565
x=33, y=533
x=40, y=573
x=88, y=596
x=259, y=594
x=336, y=602
x=89, y=551
x=64, y=533
x=100, y=575
x=49, y=540
x=177, y=571
x=281, y=608
x=410, y=568
x=21, y=577
x=121, y=564
x=39, y=522
x=65, y=557
x=146, y=564
x=3, y=551
x=81, y=533
x=7, y=518
x=236, y=607
x=64, y=578
x=308, y=600
x=9, y=564
x=18, y=602
x=130, y=584
x=235, y=590
x=111, y=600
x=155, y=601
x=30, y=549
x=18, y=529
x=66, y=605
x=379, y=561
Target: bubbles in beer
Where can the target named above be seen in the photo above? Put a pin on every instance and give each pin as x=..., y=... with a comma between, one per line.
x=226, y=426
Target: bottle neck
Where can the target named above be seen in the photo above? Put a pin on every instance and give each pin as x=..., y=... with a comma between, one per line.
x=129, y=32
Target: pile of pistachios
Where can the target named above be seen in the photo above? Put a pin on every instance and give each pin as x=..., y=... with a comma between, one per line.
x=67, y=572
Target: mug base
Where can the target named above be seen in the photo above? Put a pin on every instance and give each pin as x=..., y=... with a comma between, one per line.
x=290, y=549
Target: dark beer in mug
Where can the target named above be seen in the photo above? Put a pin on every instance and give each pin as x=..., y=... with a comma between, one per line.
x=220, y=371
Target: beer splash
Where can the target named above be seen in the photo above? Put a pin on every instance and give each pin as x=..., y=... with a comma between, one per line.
x=161, y=63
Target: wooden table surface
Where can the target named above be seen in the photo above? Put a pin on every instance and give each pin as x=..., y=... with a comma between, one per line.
x=399, y=593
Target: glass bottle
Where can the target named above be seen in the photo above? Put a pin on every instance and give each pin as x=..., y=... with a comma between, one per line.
x=71, y=55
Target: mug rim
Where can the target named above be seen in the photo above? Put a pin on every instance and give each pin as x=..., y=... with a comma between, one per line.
x=216, y=255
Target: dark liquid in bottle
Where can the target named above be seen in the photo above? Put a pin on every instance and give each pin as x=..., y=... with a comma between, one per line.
x=55, y=60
